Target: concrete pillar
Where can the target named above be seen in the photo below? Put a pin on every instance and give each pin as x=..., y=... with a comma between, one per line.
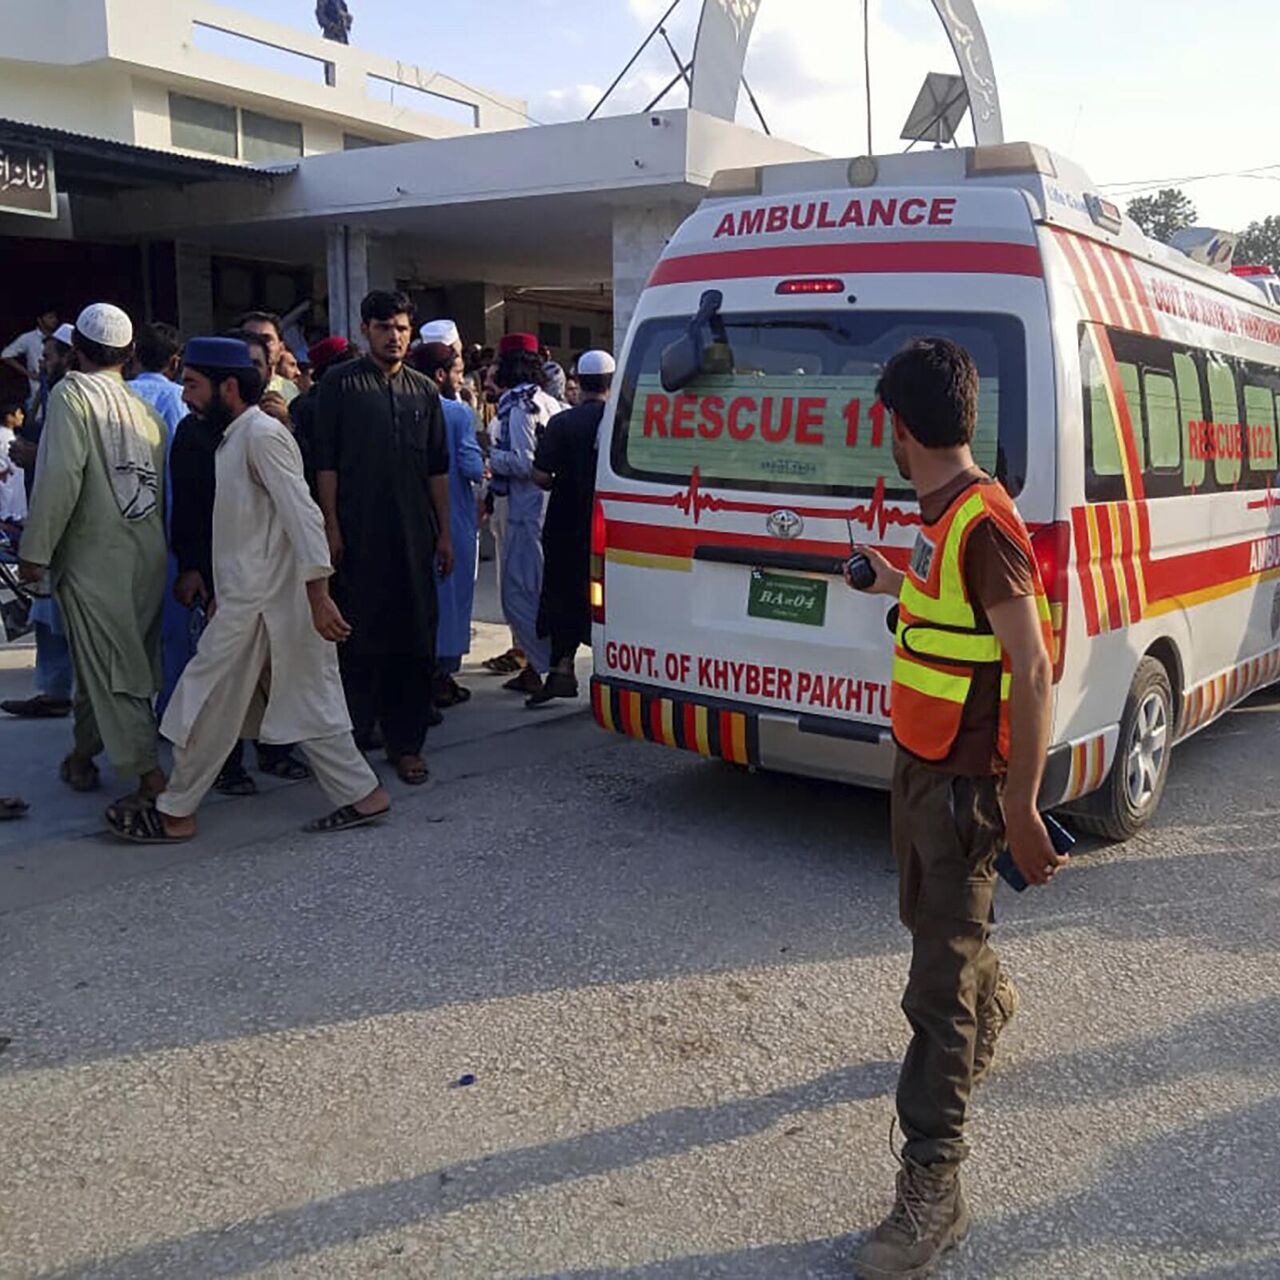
x=193, y=267
x=479, y=311
x=356, y=262
x=640, y=233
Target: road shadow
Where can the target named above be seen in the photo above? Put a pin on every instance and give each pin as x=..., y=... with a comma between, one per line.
x=292, y=1233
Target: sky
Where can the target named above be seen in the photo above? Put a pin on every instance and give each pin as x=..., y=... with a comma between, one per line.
x=1142, y=93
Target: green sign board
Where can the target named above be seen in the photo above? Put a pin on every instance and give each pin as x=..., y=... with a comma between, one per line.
x=786, y=598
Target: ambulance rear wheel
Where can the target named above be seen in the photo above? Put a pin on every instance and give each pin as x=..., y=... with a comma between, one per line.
x=1128, y=799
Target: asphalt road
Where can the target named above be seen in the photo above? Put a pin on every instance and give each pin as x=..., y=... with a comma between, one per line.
x=675, y=987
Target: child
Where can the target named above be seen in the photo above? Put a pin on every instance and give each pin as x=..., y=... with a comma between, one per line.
x=13, y=489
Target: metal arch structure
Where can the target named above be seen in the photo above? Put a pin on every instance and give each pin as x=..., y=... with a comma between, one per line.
x=724, y=33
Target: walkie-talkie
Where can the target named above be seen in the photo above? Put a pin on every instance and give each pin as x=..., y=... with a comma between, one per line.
x=862, y=574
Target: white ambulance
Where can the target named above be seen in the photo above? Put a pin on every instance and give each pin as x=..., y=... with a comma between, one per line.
x=1129, y=399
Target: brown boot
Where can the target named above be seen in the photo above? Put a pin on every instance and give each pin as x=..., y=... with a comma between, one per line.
x=928, y=1218
x=999, y=1011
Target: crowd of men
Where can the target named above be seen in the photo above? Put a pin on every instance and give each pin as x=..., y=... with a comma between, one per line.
x=230, y=541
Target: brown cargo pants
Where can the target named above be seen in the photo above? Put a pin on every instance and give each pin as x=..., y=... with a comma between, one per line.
x=947, y=833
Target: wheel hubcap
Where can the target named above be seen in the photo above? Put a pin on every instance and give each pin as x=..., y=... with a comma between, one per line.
x=1144, y=762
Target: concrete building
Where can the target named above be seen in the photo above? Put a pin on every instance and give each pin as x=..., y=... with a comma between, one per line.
x=206, y=161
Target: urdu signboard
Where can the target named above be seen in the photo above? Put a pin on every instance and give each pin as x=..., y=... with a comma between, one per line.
x=27, y=181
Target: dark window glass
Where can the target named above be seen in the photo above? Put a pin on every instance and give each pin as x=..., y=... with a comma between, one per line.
x=199, y=125
x=549, y=333
x=268, y=140
x=788, y=403
x=579, y=337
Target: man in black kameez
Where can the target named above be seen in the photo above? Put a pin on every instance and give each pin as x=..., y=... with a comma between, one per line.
x=382, y=478
x=565, y=463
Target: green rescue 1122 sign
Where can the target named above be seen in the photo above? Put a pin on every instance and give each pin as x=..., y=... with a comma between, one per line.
x=26, y=182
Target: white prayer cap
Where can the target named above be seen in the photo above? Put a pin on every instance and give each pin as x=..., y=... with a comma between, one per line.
x=63, y=333
x=105, y=324
x=596, y=363
x=441, y=331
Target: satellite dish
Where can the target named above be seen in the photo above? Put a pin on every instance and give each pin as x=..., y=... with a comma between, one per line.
x=940, y=106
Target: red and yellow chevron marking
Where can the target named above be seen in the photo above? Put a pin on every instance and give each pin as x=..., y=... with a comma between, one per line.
x=1088, y=767
x=675, y=722
x=1109, y=283
x=1209, y=699
x=1111, y=544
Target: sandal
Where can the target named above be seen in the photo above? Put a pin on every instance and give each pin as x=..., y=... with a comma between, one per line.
x=343, y=820
x=412, y=770
x=290, y=768
x=13, y=807
x=505, y=663
x=78, y=774
x=451, y=693
x=141, y=826
x=235, y=783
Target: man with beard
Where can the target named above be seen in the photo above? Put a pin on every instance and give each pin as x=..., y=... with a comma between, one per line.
x=194, y=485
x=97, y=523
x=443, y=365
x=267, y=663
x=565, y=463
x=382, y=475
x=53, y=654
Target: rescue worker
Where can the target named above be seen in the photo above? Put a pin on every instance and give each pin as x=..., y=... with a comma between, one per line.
x=972, y=690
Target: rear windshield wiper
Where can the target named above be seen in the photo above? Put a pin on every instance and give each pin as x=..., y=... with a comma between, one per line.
x=682, y=362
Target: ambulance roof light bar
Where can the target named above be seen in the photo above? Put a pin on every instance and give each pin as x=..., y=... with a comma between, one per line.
x=1009, y=158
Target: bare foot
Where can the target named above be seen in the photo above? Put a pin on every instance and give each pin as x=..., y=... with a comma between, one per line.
x=377, y=801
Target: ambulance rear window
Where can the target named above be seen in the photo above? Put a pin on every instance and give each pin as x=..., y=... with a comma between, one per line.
x=791, y=406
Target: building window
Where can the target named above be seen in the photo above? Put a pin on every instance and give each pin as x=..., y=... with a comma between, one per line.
x=579, y=337
x=354, y=142
x=549, y=333
x=198, y=125
x=268, y=140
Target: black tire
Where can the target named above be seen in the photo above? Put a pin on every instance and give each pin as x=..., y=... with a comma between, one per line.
x=1130, y=796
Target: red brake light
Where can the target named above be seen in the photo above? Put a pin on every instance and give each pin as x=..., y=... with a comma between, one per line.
x=599, y=542
x=810, y=286
x=1051, y=546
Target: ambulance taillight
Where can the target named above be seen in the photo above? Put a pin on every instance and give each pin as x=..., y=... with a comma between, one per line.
x=1051, y=544
x=599, y=541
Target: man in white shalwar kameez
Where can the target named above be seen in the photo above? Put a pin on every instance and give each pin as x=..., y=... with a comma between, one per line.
x=266, y=666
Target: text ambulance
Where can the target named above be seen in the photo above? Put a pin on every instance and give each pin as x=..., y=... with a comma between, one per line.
x=1129, y=401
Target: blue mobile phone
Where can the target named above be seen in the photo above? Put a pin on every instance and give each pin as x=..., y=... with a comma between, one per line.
x=1063, y=842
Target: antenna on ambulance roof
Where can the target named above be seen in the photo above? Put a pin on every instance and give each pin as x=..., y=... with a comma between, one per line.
x=940, y=106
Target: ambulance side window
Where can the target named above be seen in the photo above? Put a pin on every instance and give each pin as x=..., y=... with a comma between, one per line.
x=1164, y=429
x=1104, y=468
x=1261, y=393
x=1191, y=409
x=1224, y=441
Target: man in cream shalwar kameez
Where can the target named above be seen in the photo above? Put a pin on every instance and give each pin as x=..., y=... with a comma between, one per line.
x=263, y=668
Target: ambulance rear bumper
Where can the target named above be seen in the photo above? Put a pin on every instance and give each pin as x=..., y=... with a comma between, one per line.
x=853, y=751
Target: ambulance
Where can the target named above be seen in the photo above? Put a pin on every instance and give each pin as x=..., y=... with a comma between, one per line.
x=1129, y=400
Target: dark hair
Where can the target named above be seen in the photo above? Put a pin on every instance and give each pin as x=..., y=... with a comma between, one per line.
x=932, y=385
x=595, y=383
x=155, y=345
x=262, y=317
x=250, y=339
x=46, y=311
x=96, y=354
x=515, y=368
x=385, y=304
x=431, y=357
x=10, y=406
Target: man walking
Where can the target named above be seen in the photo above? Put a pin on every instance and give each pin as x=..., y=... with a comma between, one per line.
x=266, y=664
x=523, y=413
x=972, y=701
x=53, y=655
x=443, y=365
x=565, y=463
x=24, y=353
x=97, y=522
x=382, y=475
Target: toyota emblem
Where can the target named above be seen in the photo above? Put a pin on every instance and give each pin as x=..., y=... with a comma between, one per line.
x=785, y=524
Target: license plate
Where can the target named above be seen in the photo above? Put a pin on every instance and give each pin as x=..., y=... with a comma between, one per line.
x=784, y=598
